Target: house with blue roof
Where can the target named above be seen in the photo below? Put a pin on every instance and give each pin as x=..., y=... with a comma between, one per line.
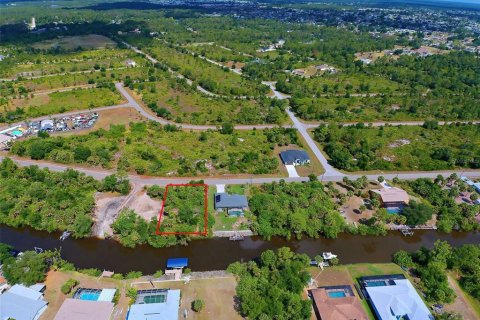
x=155, y=304
x=233, y=204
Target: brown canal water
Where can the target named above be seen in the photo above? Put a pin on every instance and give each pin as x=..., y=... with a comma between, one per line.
x=218, y=253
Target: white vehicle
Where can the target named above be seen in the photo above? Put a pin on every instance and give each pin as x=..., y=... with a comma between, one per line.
x=328, y=255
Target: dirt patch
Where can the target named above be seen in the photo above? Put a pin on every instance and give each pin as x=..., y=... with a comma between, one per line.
x=351, y=210
x=331, y=277
x=145, y=206
x=107, y=208
x=399, y=143
x=91, y=41
x=460, y=305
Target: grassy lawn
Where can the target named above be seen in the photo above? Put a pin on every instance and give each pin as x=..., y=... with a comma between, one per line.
x=237, y=188
x=372, y=269
x=60, y=102
x=402, y=148
x=223, y=222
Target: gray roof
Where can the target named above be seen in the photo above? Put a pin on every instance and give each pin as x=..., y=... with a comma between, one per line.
x=291, y=156
x=20, y=308
x=225, y=200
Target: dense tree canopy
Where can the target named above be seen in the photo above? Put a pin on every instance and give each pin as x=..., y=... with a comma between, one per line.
x=297, y=209
x=271, y=288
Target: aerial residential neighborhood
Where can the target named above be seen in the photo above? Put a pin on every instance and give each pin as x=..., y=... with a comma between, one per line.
x=212, y=159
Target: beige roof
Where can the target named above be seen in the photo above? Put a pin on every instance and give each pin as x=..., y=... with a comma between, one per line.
x=348, y=308
x=76, y=309
x=4, y=138
x=393, y=195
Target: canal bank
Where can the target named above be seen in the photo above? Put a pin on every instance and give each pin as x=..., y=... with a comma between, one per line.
x=218, y=253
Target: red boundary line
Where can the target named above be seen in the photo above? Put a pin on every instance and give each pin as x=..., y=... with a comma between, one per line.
x=205, y=188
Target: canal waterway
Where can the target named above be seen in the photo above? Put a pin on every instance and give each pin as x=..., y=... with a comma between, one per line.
x=218, y=253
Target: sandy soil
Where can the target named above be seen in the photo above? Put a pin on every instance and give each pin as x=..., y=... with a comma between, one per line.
x=145, y=206
x=460, y=305
x=352, y=212
x=107, y=208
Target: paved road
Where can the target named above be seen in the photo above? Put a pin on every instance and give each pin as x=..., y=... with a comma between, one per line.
x=329, y=170
x=144, y=180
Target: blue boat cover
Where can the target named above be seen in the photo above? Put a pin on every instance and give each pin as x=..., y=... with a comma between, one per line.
x=177, y=263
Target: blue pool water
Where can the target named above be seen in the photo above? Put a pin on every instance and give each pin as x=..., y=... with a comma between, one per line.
x=17, y=133
x=336, y=294
x=376, y=283
x=394, y=210
x=92, y=296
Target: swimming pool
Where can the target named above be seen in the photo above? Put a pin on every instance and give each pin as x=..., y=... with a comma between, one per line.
x=394, y=210
x=380, y=283
x=17, y=133
x=336, y=294
x=91, y=296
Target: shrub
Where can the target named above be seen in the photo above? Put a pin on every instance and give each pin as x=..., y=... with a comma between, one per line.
x=91, y=272
x=158, y=274
x=198, y=305
x=133, y=275
x=68, y=286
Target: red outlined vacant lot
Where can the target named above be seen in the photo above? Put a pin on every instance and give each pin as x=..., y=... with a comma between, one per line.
x=205, y=215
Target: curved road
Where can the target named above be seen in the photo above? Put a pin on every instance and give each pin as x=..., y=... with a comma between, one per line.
x=331, y=174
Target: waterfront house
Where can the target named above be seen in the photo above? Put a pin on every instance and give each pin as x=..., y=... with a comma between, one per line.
x=78, y=309
x=393, y=297
x=393, y=198
x=155, y=304
x=295, y=157
x=337, y=303
x=233, y=204
x=22, y=303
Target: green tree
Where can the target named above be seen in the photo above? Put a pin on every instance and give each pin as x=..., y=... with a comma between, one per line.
x=417, y=213
x=198, y=305
x=28, y=269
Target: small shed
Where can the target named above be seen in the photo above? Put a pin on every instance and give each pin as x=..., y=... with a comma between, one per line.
x=295, y=157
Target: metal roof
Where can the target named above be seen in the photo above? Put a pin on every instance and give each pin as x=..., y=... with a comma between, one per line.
x=15, y=306
x=177, y=262
x=401, y=299
x=225, y=200
x=292, y=156
x=76, y=309
x=167, y=310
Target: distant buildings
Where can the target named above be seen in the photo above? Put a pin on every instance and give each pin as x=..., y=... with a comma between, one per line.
x=337, y=303
x=393, y=297
x=295, y=157
x=234, y=204
x=155, y=304
x=22, y=303
x=131, y=63
x=32, y=25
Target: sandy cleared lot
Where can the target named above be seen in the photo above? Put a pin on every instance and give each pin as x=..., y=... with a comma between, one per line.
x=460, y=305
x=107, y=208
x=91, y=41
x=145, y=206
